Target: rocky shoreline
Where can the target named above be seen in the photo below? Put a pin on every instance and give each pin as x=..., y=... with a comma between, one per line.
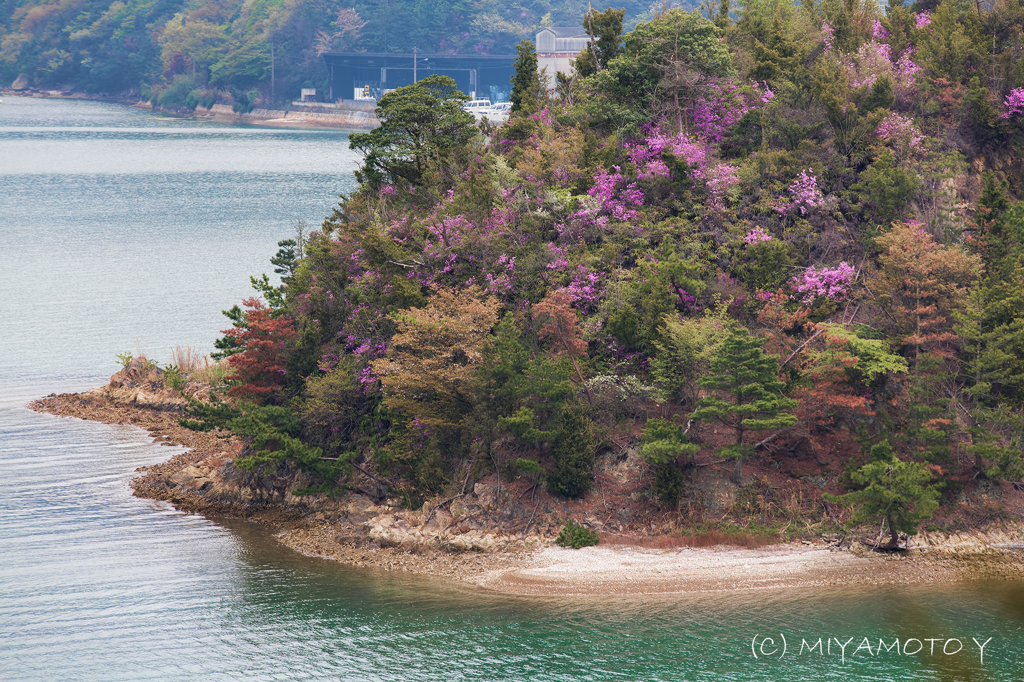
x=482, y=538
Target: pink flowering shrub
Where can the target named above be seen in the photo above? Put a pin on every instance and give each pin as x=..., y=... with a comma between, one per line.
x=828, y=36
x=615, y=195
x=719, y=179
x=1014, y=103
x=758, y=235
x=904, y=73
x=646, y=155
x=504, y=282
x=698, y=156
x=873, y=61
x=585, y=288
x=559, y=258
x=922, y=19
x=806, y=194
x=832, y=283
x=720, y=106
x=900, y=131
x=764, y=93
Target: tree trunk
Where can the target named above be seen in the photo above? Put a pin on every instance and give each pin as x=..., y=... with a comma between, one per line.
x=894, y=537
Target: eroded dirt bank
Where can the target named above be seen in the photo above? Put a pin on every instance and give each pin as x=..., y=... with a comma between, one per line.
x=498, y=537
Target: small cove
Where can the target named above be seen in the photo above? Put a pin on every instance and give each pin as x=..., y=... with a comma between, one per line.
x=125, y=231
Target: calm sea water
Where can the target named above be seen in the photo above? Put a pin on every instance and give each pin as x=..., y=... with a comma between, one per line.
x=123, y=231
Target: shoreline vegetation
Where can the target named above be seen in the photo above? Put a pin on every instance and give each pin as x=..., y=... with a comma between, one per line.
x=739, y=278
x=467, y=541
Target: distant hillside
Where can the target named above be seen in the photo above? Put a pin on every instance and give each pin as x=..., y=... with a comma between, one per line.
x=182, y=52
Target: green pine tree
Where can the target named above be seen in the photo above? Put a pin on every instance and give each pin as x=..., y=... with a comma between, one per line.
x=663, y=444
x=899, y=492
x=606, y=30
x=992, y=329
x=748, y=393
x=573, y=455
x=779, y=55
x=526, y=80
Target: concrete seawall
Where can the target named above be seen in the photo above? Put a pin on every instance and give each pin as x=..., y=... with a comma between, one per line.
x=351, y=115
x=348, y=119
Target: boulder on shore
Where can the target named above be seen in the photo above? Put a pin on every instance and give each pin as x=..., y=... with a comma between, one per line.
x=22, y=82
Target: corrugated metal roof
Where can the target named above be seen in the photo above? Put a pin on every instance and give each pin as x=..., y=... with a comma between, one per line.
x=566, y=31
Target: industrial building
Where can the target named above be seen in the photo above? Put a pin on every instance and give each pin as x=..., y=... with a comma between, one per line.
x=368, y=75
x=557, y=46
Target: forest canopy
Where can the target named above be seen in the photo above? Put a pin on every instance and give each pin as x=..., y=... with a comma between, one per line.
x=735, y=235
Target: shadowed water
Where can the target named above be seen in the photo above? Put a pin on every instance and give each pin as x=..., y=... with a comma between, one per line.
x=122, y=229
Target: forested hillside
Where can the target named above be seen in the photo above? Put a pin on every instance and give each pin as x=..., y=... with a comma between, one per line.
x=226, y=49
x=795, y=234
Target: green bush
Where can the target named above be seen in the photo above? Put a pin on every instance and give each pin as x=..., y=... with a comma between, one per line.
x=177, y=93
x=576, y=536
x=173, y=377
x=206, y=98
x=573, y=455
x=663, y=444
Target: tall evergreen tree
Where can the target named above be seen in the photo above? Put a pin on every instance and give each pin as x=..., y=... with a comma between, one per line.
x=779, y=55
x=749, y=393
x=526, y=80
x=606, y=30
x=994, y=322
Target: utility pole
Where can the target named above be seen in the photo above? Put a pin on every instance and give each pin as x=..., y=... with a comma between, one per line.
x=414, y=65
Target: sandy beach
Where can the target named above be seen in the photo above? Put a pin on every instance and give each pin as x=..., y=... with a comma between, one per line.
x=617, y=571
x=356, y=531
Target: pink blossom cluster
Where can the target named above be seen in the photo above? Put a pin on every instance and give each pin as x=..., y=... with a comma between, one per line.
x=559, y=258
x=504, y=282
x=543, y=116
x=878, y=31
x=828, y=35
x=806, y=194
x=900, y=130
x=686, y=301
x=905, y=71
x=764, y=93
x=719, y=107
x=815, y=283
x=585, y=287
x=873, y=61
x=647, y=155
x=614, y=199
x=719, y=179
x=758, y=235
x=1014, y=103
x=922, y=19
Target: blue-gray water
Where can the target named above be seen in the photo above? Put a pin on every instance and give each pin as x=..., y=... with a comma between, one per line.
x=123, y=231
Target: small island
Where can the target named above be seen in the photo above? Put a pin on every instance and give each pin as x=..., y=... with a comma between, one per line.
x=749, y=285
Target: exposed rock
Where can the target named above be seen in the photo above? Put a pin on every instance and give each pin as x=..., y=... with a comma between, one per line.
x=714, y=489
x=21, y=83
x=486, y=494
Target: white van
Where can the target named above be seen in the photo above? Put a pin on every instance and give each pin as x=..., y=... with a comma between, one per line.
x=477, y=105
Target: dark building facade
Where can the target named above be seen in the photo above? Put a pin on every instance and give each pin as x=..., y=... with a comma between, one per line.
x=368, y=75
